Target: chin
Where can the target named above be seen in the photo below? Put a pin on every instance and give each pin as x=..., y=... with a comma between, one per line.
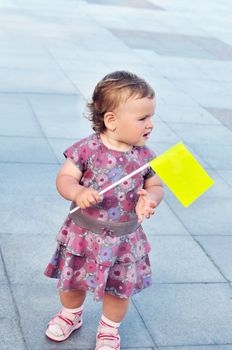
x=140, y=143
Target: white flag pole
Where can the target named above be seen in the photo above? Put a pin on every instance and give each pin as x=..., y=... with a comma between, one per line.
x=118, y=182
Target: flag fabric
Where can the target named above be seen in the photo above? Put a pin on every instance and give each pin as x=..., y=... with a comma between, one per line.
x=179, y=170
x=182, y=173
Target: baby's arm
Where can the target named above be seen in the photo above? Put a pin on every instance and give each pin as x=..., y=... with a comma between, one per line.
x=149, y=197
x=154, y=186
x=67, y=183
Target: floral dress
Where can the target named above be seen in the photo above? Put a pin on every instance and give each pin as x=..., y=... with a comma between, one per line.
x=85, y=260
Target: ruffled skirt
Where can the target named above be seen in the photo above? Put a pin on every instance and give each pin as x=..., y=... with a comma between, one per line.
x=87, y=261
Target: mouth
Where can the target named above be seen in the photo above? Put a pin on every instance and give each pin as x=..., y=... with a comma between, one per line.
x=146, y=135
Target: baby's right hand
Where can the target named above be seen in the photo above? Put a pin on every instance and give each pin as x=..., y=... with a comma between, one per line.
x=87, y=197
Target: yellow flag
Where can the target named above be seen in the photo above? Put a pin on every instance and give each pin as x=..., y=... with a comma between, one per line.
x=181, y=172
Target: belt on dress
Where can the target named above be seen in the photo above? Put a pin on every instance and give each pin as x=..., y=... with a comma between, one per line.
x=116, y=229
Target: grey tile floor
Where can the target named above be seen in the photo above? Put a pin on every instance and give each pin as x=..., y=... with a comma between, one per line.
x=52, y=53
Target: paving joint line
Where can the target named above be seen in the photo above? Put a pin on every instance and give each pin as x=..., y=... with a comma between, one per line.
x=219, y=175
x=13, y=301
x=40, y=126
x=144, y=323
x=196, y=241
x=64, y=72
x=187, y=143
x=211, y=259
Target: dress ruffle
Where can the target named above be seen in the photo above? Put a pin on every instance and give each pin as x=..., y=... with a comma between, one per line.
x=88, y=261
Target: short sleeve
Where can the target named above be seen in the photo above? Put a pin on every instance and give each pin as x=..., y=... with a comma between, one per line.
x=79, y=154
x=148, y=155
x=150, y=173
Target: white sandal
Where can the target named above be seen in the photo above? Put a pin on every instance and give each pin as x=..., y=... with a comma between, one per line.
x=107, y=338
x=63, y=324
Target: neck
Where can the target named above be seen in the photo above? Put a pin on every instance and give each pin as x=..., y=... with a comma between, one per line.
x=112, y=143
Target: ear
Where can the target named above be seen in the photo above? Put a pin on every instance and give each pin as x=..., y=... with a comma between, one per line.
x=110, y=121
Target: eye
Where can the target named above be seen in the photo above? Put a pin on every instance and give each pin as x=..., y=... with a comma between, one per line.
x=145, y=117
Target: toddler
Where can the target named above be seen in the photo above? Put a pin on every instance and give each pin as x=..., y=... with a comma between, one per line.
x=102, y=247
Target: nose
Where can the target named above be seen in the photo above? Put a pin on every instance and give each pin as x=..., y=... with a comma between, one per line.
x=149, y=124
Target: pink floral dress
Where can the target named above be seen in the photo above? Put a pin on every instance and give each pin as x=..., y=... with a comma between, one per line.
x=101, y=263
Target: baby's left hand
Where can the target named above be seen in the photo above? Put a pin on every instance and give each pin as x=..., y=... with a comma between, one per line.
x=145, y=205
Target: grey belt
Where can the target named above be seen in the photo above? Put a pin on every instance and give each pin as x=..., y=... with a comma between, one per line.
x=112, y=228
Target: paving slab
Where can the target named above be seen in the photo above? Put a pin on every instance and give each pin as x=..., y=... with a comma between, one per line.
x=180, y=259
x=215, y=70
x=12, y=46
x=162, y=132
x=218, y=156
x=206, y=216
x=59, y=145
x=187, y=314
x=159, y=147
x=36, y=81
x=127, y=17
x=33, y=255
x=226, y=175
x=158, y=224
x=26, y=150
x=31, y=214
x=171, y=67
x=80, y=66
x=203, y=134
x=215, y=95
x=109, y=57
x=223, y=115
x=94, y=42
x=13, y=98
x=61, y=116
x=29, y=60
x=85, y=82
x=22, y=179
x=175, y=44
x=61, y=50
x=10, y=322
x=23, y=125
x=189, y=115
x=169, y=94
x=219, y=250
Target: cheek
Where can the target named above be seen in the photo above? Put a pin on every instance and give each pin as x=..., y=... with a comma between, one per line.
x=134, y=129
x=140, y=127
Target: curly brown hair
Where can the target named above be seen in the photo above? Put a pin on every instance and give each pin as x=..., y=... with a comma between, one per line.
x=113, y=89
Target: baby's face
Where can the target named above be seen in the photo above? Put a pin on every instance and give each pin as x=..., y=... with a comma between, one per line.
x=134, y=120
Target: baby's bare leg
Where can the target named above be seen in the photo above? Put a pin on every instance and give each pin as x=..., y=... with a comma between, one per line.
x=115, y=308
x=69, y=318
x=114, y=311
x=72, y=299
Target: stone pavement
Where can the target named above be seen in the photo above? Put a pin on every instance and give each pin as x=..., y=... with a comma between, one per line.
x=51, y=55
